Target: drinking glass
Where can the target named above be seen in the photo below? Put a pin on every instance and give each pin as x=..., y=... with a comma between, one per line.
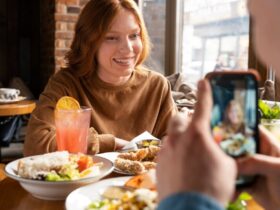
x=72, y=128
x=273, y=125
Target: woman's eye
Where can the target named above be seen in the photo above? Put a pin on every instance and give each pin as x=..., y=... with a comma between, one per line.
x=134, y=36
x=111, y=38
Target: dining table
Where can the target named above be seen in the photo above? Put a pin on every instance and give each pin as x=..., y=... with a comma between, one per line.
x=14, y=197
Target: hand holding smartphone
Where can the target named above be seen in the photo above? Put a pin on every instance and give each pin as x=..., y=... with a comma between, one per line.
x=234, y=120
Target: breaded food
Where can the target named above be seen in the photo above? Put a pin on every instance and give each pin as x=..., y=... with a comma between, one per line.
x=152, y=152
x=129, y=166
x=137, y=155
x=139, y=161
x=149, y=165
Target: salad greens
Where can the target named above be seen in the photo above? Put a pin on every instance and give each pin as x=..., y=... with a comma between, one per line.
x=240, y=203
x=67, y=172
x=269, y=112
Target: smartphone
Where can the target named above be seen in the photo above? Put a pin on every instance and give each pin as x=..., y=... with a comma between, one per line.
x=234, y=120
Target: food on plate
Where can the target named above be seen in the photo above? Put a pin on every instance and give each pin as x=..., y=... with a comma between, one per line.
x=67, y=103
x=137, y=193
x=238, y=144
x=145, y=180
x=57, y=166
x=116, y=192
x=148, y=142
x=138, y=161
x=138, y=199
x=130, y=166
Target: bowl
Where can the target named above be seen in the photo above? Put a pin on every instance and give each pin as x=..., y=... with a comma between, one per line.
x=58, y=190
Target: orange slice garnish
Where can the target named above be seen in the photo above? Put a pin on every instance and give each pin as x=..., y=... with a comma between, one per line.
x=67, y=103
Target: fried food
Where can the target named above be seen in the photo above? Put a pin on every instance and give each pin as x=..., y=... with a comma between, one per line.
x=138, y=155
x=149, y=165
x=134, y=167
x=139, y=161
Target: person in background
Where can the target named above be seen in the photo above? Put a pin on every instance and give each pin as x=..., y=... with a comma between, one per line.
x=233, y=122
x=200, y=176
x=105, y=72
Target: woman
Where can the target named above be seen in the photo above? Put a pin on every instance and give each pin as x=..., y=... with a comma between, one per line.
x=233, y=123
x=105, y=72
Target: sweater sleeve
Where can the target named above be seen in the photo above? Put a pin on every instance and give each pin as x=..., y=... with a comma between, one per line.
x=41, y=130
x=189, y=201
x=167, y=110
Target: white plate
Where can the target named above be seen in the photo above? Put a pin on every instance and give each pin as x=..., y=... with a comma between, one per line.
x=57, y=190
x=6, y=101
x=80, y=198
x=112, y=156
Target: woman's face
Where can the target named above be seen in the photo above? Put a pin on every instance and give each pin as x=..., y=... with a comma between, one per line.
x=233, y=115
x=120, y=49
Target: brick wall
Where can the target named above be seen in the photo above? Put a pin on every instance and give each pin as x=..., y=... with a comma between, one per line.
x=66, y=16
x=58, y=18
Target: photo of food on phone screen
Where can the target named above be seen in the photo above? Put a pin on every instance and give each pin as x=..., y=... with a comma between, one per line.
x=234, y=116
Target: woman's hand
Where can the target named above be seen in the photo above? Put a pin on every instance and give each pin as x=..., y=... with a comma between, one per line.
x=266, y=190
x=120, y=143
x=191, y=161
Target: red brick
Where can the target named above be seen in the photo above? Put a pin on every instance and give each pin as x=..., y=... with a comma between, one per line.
x=61, y=8
x=64, y=35
x=69, y=2
x=66, y=18
x=60, y=44
x=60, y=52
x=61, y=26
x=71, y=26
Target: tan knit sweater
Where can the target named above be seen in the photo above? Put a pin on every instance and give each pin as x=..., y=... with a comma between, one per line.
x=143, y=103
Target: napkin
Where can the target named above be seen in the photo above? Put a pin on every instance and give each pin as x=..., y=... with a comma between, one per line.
x=142, y=136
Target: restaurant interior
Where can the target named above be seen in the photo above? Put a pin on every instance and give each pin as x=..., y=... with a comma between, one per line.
x=190, y=38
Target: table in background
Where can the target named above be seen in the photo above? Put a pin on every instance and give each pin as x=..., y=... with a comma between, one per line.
x=14, y=109
x=17, y=108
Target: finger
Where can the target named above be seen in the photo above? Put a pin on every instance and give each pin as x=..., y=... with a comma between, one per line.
x=203, y=106
x=176, y=127
x=259, y=165
x=269, y=145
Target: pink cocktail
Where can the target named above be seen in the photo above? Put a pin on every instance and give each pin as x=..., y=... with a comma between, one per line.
x=72, y=128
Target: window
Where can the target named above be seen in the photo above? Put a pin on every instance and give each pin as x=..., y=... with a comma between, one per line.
x=206, y=35
x=154, y=13
x=215, y=37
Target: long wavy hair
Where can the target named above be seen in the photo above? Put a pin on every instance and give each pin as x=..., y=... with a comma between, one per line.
x=91, y=28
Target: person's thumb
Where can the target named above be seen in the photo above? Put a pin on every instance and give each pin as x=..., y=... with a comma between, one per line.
x=259, y=165
x=203, y=107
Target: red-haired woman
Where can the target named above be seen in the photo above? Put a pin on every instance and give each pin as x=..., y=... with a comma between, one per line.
x=105, y=72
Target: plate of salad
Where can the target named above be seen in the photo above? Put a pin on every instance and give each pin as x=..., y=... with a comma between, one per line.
x=53, y=176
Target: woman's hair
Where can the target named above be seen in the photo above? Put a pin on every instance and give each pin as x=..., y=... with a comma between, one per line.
x=91, y=28
x=230, y=105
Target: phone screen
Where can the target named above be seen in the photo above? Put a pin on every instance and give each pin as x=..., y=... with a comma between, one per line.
x=234, y=120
